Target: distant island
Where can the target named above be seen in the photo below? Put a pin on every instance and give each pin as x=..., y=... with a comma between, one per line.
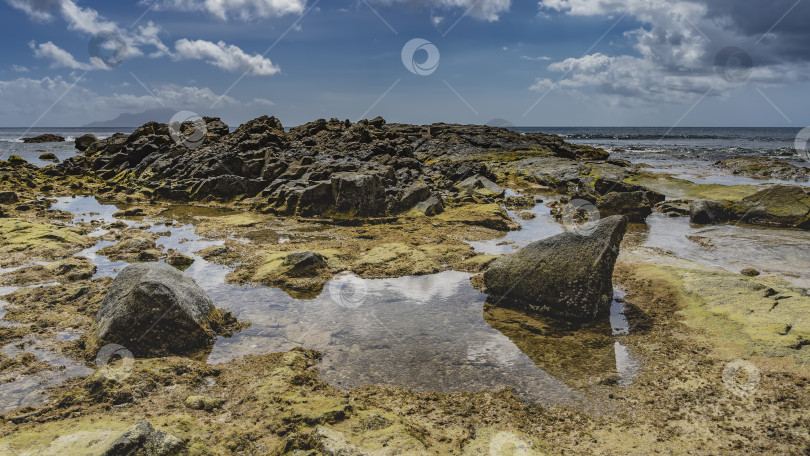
x=134, y=120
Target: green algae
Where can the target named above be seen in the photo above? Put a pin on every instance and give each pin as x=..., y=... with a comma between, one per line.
x=24, y=241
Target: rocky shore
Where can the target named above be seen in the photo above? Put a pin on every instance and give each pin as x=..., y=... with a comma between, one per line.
x=329, y=203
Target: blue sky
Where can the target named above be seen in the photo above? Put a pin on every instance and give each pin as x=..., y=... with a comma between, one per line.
x=547, y=63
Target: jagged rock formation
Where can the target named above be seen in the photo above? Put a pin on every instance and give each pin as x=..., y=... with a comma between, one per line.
x=367, y=169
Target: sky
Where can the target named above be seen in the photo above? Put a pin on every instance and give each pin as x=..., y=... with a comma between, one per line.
x=529, y=63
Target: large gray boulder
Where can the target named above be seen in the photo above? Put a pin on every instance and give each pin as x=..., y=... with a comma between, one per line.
x=358, y=194
x=568, y=275
x=152, y=309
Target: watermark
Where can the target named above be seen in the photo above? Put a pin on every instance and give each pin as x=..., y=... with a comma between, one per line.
x=741, y=377
x=580, y=216
x=108, y=49
x=801, y=144
x=348, y=290
x=419, y=46
x=733, y=64
x=115, y=362
x=509, y=444
x=179, y=129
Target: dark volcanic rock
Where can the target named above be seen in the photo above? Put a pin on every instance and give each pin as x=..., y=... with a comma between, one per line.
x=568, y=275
x=365, y=169
x=46, y=138
x=153, y=309
x=83, y=142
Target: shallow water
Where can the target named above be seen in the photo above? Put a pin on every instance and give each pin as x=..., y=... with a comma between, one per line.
x=733, y=247
x=31, y=391
x=429, y=333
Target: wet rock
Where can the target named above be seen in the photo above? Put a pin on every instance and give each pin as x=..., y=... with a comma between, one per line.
x=568, y=275
x=46, y=138
x=481, y=186
x=49, y=156
x=674, y=208
x=131, y=212
x=83, y=142
x=153, y=309
x=708, y=212
x=143, y=439
x=750, y=272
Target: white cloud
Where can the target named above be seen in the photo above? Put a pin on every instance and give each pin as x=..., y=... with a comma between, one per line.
x=489, y=10
x=61, y=58
x=675, y=50
x=541, y=58
x=25, y=99
x=238, y=9
x=19, y=69
x=227, y=57
x=263, y=102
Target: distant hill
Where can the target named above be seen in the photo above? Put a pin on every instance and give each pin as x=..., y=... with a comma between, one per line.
x=135, y=120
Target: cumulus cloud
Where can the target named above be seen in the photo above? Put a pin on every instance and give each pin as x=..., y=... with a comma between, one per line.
x=227, y=57
x=60, y=58
x=25, y=99
x=237, y=9
x=489, y=10
x=675, y=46
x=145, y=39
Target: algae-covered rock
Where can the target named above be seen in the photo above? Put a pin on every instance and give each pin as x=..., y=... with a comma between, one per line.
x=69, y=270
x=153, y=309
x=568, y=275
x=203, y=403
x=133, y=249
x=780, y=205
x=764, y=167
x=23, y=242
x=178, y=260
x=49, y=156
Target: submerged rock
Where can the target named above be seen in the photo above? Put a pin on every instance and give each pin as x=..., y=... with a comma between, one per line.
x=46, y=138
x=153, y=309
x=567, y=275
